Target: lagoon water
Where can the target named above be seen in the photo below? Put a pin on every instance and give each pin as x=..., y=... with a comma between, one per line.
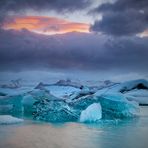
x=110, y=134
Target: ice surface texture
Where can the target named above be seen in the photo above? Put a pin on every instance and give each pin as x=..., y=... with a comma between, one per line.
x=113, y=106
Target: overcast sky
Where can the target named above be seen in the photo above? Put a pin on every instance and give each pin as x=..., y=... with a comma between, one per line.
x=96, y=38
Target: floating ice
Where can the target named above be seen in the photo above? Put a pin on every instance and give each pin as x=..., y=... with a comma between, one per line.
x=54, y=111
x=140, y=96
x=43, y=104
x=8, y=119
x=117, y=106
x=129, y=85
x=35, y=96
x=92, y=113
x=11, y=103
x=136, y=90
x=6, y=108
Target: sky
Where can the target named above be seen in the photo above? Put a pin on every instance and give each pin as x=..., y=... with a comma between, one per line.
x=81, y=39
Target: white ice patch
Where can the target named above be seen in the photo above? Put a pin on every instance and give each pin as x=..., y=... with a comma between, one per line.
x=92, y=113
x=8, y=119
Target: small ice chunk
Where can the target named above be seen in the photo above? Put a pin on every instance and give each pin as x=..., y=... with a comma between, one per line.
x=8, y=119
x=92, y=113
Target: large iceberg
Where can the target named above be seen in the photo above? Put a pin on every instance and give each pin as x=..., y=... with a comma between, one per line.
x=113, y=106
x=8, y=119
x=92, y=113
x=67, y=103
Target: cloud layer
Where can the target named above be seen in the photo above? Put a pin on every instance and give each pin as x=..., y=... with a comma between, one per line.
x=122, y=18
x=21, y=50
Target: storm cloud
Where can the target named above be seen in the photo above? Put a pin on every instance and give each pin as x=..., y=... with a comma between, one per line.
x=24, y=50
x=122, y=18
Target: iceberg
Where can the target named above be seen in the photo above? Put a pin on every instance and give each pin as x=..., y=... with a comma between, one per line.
x=129, y=85
x=11, y=104
x=13, y=85
x=27, y=103
x=140, y=96
x=54, y=111
x=62, y=88
x=8, y=119
x=136, y=90
x=134, y=84
x=116, y=105
x=33, y=97
x=92, y=113
x=68, y=82
x=67, y=103
x=6, y=108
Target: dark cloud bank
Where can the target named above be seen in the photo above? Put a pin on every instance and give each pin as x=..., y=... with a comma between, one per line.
x=22, y=50
x=122, y=18
x=118, y=49
x=57, y=5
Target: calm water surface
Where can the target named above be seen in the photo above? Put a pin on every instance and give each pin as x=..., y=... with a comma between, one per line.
x=120, y=134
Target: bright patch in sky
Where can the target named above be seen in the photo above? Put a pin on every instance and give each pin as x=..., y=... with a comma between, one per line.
x=45, y=25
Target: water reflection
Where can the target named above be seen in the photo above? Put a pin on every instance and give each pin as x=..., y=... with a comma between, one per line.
x=108, y=134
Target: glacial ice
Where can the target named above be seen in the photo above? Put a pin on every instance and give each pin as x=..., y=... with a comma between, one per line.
x=116, y=105
x=54, y=111
x=8, y=119
x=140, y=96
x=61, y=91
x=6, y=108
x=130, y=85
x=136, y=90
x=11, y=104
x=35, y=96
x=66, y=103
x=92, y=113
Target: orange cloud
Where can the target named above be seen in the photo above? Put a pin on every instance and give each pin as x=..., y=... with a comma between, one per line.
x=45, y=25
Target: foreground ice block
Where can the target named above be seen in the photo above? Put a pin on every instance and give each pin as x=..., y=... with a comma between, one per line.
x=92, y=113
x=8, y=119
x=86, y=108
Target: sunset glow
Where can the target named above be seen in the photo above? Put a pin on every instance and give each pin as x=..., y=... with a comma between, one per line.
x=45, y=25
